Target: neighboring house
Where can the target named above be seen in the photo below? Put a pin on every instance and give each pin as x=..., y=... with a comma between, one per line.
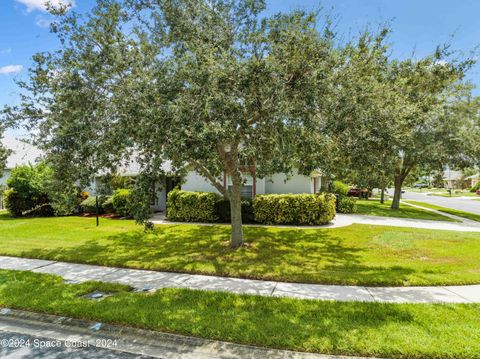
x=22, y=154
x=454, y=180
x=473, y=180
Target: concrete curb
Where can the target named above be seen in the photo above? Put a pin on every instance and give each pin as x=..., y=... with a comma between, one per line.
x=137, y=341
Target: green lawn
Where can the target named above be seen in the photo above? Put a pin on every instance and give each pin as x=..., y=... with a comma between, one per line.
x=357, y=254
x=468, y=215
x=351, y=328
x=454, y=194
x=373, y=207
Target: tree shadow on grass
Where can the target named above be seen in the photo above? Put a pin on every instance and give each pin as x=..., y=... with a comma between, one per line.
x=294, y=255
x=318, y=326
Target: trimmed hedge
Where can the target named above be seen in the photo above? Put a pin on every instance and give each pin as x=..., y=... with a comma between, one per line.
x=299, y=209
x=222, y=210
x=185, y=206
x=346, y=204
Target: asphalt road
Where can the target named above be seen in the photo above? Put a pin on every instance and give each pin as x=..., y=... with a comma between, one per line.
x=461, y=204
x=17, y=346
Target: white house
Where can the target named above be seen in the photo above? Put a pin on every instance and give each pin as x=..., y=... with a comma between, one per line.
x=277, y=184
x=22, y=154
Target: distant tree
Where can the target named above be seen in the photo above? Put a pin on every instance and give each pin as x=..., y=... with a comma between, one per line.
x=398, y=116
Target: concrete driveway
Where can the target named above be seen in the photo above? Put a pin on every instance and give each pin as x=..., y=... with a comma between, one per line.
x=461, y=204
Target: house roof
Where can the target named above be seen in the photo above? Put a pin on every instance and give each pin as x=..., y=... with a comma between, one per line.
x=474, y=176
x=22, y=153
x=133, y=168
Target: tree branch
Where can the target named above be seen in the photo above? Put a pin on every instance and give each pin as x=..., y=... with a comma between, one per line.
x=202, y=170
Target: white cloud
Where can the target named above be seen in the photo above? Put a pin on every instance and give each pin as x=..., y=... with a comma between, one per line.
x=42, y=22
x=41, y=4
x=10, y=69
x=5, y=51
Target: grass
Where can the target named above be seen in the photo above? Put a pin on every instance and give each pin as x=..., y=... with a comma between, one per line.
x=375, y=208
x=349, y=328
x=353, y=255
x=455, y=194
x=468, y=215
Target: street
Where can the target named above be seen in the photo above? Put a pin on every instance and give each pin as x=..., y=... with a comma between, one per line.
x=15, y=345
x=460, y=204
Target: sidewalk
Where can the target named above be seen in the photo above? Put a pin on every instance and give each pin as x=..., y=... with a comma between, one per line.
x=151, y=280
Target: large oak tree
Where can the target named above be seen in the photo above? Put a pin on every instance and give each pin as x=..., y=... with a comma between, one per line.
x=209, y=84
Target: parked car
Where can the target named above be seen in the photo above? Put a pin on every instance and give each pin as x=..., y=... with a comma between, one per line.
x=420, y=185
x=359, y=192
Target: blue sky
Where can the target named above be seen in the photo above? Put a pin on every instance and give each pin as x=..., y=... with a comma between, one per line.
x=418, y=25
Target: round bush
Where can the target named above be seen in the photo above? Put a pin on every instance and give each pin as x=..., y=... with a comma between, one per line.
x=89, y=205
x=346, y=204
x=122, y=202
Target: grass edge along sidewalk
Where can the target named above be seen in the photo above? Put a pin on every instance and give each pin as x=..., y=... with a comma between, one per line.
x=471, y=216
x=353, y=328
x=373, y=207
x=354, y=255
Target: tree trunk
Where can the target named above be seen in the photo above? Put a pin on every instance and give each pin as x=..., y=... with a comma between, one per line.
x=236, y=213
x=398, y=192
x=382, y=196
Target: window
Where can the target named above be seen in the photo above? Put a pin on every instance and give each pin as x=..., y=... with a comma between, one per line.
x=247, y=188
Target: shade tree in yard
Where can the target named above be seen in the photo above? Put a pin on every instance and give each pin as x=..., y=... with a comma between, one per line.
x=213, y=85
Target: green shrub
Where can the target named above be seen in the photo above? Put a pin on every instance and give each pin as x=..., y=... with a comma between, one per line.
x=300, y=209
x=346, y=204
x=222, y=210
x=122, y=202
x=475, y=188
x=17, y=205
x=27, y=193
x=340, y=188
x=89, y=205
x=185, y=206
x=107, y=206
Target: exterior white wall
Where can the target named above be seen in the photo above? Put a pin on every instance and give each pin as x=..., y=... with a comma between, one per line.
x=195, y=182
x=4, y=178
x=279, y=183
x=260, y=186
x=3, y=184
